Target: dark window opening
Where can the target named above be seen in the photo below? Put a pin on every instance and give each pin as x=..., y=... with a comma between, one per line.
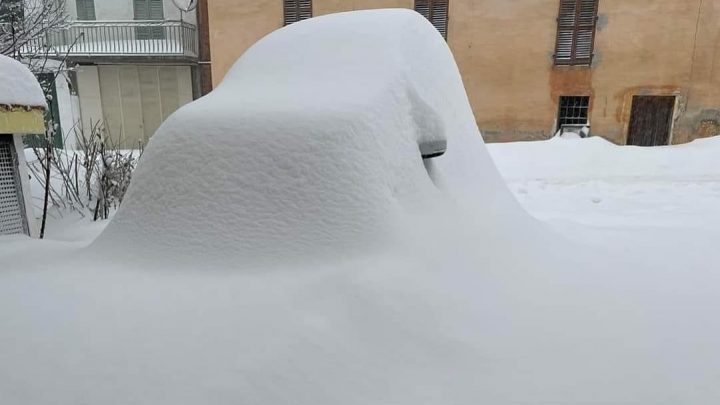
x=436, y=11
x=576, y=23
x=573, y=111
x=296, y=10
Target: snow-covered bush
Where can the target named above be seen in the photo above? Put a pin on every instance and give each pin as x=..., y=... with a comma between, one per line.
x=115, y=171
x=92, y=178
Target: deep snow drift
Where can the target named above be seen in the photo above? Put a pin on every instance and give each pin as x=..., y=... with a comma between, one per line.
x=309, y=147
x=446, y=293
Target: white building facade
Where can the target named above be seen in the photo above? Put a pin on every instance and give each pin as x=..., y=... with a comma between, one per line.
x=130, y=65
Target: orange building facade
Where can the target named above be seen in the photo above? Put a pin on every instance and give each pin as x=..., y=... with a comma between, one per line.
x=643, y=72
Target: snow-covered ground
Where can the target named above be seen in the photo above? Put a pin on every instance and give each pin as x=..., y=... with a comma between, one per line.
x=594, y=182
x=657, y=208
x=284, y=242
x=652, y=202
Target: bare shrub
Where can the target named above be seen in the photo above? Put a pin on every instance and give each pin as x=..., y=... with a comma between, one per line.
x=91, y=179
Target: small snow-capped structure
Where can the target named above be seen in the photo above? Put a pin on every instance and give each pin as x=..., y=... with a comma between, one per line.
x=22, y=105
x=311, y=147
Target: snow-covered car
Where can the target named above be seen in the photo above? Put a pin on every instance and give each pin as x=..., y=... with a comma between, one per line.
x=313, y=146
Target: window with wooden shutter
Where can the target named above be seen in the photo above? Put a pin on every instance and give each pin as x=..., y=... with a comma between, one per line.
x=575, y=42
x=296, y=10
x=149, y=10
x=85, y=9
x=436, y=11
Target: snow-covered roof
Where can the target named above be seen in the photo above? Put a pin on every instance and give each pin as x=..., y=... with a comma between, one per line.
x=310, y=147
x=18, y=86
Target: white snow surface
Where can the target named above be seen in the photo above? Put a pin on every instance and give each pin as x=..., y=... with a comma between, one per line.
x=18, y=86
x=594, y=182
x=283, y=243
x=313, y=137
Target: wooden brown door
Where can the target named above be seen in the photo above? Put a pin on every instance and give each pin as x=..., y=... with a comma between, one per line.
x=651, y=120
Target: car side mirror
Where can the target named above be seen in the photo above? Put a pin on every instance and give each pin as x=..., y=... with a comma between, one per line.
x=433, y=149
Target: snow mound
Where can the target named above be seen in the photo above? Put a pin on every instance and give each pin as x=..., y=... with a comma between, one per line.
x=18, y=86
x=595, y=158
x=569, y=136
x=310, y=147
x=713, y=142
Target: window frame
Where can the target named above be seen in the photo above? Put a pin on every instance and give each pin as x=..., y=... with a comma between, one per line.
x=577, y=28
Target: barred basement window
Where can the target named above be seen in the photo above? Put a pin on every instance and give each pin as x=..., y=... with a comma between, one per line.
x=296, y=10
x=573, y=111
x=575, y=40
x=436, y=11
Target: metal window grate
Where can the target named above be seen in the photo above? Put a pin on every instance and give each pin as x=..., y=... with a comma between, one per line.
x=436, y=11
x=573, y=111
x=296, y=10
x=12, y=211
x=576, y=23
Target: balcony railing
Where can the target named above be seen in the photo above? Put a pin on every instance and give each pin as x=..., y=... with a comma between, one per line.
x=120, y=38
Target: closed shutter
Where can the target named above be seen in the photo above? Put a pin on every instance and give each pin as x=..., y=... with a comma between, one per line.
x=85, y=9
x=112, y=114
x=131, y=104
x=12, y=209
x=140, y=9
x=150, y=98
x=577, y=20
x=296, y=10
x=168, y=87
x=149, y=10
x=436, y=11
x=156, y=10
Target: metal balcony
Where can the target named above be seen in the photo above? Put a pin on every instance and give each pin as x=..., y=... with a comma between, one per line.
x=120, y=39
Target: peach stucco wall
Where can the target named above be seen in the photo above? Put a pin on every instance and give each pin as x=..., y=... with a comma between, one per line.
x=504, y=51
